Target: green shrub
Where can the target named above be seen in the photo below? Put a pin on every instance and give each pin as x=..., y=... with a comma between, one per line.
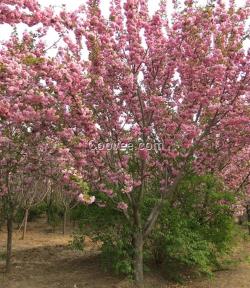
x=191, y=234
x=78, y=241
x=117, y=251
x=105, y=226
x=35, y=213
x=54, y=213
x=197, y=229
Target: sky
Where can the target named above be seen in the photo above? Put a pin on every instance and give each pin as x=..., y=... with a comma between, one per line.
x=5, y=30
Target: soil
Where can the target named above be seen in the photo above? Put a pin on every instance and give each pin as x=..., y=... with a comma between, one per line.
x=45, y=260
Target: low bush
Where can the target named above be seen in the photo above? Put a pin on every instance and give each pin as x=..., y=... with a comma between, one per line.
x=197, y=229
x=192, y=232
x=35, y=212
x=105, y=226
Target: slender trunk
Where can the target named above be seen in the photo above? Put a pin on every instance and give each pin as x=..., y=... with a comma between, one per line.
x=139, y=237
x=25, y=223
x=248, y=217
x=64, y=221
x=9, y=242
x=138, y=259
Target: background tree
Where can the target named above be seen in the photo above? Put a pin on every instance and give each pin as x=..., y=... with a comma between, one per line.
x=236, y=173
x=32, y=113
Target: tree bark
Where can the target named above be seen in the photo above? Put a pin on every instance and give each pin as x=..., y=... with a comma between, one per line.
x=248, y=217
x=25, y=223
x=9, y=242
x=138, y=259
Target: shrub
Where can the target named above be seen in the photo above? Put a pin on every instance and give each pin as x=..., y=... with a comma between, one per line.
x=105, y=226
x=35, y=212
x=192, y=231
x=54, y=213
x=78, y=241
x=196, y=229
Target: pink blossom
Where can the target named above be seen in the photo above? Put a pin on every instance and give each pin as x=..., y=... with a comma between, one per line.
x=143, y=153
x=122, y=206
x=83, y=198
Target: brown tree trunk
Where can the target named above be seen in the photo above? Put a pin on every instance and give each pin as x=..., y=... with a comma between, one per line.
x=9, y=242
x=138, y=259
x=25, y=223
x=64, y=221
x=248, y=217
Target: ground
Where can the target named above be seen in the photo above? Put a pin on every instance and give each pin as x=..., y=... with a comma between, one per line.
x=45, y=260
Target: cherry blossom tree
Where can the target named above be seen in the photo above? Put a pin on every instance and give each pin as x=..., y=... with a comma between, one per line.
x=156, y=97
x=167, y=95
x=236, y=173
x=32, y=110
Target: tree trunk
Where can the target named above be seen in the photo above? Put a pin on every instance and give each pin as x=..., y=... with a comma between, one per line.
x=138, y=259
x=64, y=221
x=9, y=243
x=25, y=223
x=248, y=217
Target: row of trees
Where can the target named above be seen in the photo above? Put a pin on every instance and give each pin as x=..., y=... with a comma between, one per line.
x=180, y=81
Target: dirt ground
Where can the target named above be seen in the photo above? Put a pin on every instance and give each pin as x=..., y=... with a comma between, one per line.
x=45, y=260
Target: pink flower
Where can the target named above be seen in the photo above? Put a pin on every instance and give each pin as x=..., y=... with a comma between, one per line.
x=143, y=153
x=86, y=199
x=122, y=206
